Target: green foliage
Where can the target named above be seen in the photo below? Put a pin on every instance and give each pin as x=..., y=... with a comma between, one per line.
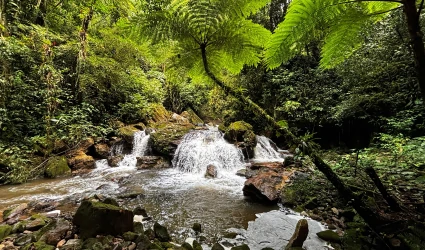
x=338, y=23
x=221, y=26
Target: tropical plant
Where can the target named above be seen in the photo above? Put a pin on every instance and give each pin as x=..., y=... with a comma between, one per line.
x=339, y=25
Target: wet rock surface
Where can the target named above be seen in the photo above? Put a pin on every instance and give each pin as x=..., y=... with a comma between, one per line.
x=152, y=162
x=275, y=229
x=94, y=218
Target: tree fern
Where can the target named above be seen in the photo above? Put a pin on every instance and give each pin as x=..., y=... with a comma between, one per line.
x=337, y=23
x=231, y=40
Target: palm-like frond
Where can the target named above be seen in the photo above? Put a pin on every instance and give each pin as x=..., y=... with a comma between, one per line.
x=337, y=23
x=231, y=40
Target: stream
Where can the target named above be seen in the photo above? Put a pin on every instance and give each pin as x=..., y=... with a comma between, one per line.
x=176, y=197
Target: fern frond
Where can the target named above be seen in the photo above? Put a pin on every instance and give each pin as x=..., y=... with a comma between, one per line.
x=336, y=23
x=343, y=39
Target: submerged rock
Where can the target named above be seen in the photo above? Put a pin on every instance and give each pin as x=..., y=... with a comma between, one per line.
x=149, y=162
x=93, y=218
x=211, y=172
x=57, y=166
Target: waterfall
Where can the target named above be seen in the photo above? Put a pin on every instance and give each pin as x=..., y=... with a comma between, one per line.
x=140, y=148
x=201, y=148
x=266, y=150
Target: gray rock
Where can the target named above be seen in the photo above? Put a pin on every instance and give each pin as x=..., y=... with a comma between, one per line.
x=275, y=228
x=73, y=244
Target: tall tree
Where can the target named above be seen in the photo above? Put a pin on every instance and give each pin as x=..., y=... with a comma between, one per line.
x=339, y=24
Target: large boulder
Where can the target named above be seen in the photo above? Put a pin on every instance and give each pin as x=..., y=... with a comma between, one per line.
x=168, y=136
x=57, y=166
x=93, y=218
x=267, y=184
x=152, y=162
x=179, y=119
x=161, y=232
x=242, y=134
x=79, y=161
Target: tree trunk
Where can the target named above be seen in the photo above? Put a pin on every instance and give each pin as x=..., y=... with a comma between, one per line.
x=392, y=202
x=3, y=18
x=373, y=219
x=416, y=39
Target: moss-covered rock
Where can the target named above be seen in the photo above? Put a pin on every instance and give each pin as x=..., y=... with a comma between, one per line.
x=187, y=246
x=243, y=136
x=329, y=235
x=197, y=245
x=161, y=232
x=217, y=246
x=5, y=230
x=57, y=166
x=73, y=244
x=93, y=218
x=127, y=133
x=39, y=245
x=241, y=247
x=192, y=117
x=138, y=227
x=168, y=136
x=159, y=114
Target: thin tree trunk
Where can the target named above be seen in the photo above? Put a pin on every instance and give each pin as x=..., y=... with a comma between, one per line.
x=373, y=219
x=416, y=39
x=392, y=202
x=3, y=18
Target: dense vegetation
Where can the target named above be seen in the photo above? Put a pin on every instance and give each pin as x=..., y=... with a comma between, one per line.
x=343, y=76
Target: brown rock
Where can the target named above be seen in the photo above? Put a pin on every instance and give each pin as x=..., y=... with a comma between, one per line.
x=114, y=160
x=79, y=160
x=149, y=162
x=55, y=235
x=211, y=171
x=275, y=166
x=61, y=243
x=14, y=213
x=299, y=236
x=179, y=119
x=101, y=150
x=266, y=186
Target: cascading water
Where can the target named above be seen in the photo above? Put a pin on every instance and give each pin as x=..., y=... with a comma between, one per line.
x=207, y=147
x=266, y=150
x=140, y=148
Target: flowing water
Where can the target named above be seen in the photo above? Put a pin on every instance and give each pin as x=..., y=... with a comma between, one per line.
x=176, y=197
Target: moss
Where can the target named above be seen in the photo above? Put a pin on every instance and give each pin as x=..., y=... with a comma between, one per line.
x=167, y=245
x=163, y=141
x=130, y=236
x=19, y=227
x=154, y=246
x=127, y=133
x=101, y=205
x=222, y=128
x=187, y=246
x=57, y=166
x=159, y=114
x=5, y=230
x=241, y=247
x=196, y=245
x=39, y=245
x=329, y=235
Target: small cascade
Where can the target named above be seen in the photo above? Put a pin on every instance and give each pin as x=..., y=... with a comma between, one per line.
x=204, y=147
x=266, y=150
x=117, y=149
x=140, y=148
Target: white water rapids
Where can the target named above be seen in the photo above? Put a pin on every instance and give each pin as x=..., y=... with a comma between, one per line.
x=176, y=197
